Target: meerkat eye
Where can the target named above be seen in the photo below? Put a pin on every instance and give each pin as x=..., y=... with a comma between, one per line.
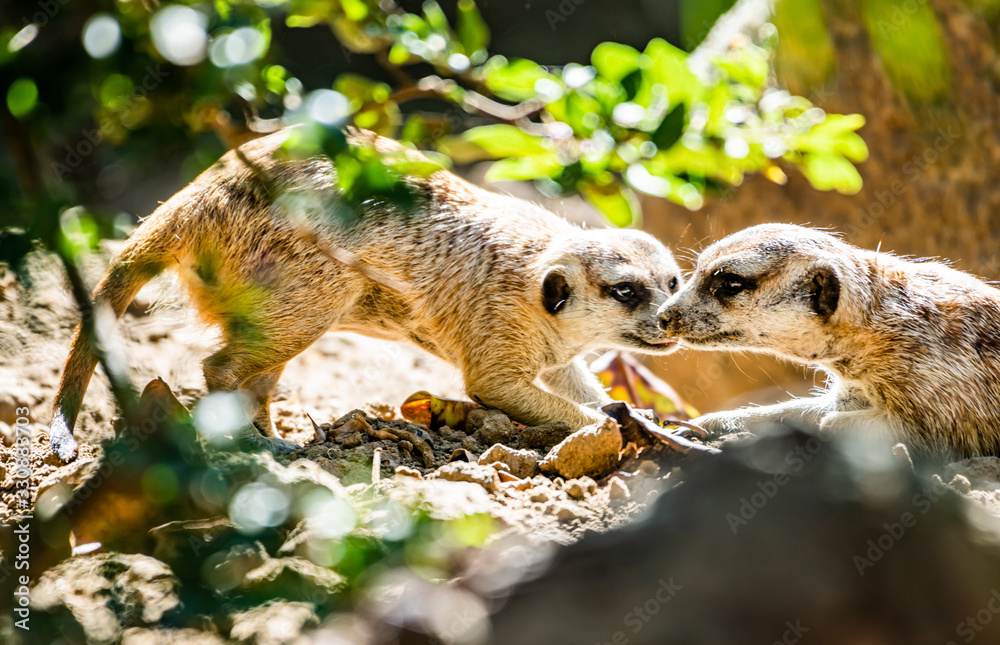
x=624, y=292
x=730, y=284
x=673, y=284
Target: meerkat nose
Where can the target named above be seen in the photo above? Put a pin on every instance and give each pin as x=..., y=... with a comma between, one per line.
x=669, y=317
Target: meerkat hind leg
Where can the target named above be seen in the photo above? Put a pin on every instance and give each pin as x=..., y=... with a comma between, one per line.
x=254, y=376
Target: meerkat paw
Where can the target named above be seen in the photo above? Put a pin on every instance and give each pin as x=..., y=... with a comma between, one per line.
x=62, y=441
x=279, y=446
x=720, y=423
x=254, y=441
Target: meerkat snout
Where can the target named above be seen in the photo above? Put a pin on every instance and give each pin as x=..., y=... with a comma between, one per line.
x=741, y=296
x=605, y=287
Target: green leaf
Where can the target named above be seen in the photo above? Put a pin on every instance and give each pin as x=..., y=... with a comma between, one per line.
x=355, y=10
x=274, y=77
x=831, y=172
x=835, y=135
x=618, y=204
x=614, y=61
x=671, y=128
x=435, y=17
x=505, y=141
x=22, y=97
x=748, y=65
x=514, y=80
x=524, y=168
x=473, y=32
x=666, y=65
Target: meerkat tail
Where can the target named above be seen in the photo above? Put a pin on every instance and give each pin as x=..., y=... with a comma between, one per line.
x=145, y=255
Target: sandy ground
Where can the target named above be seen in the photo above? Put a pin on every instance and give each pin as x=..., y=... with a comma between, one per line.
x=340, y=373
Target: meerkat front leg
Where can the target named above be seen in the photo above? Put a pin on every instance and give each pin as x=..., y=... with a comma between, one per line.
x=525, y=402
x=577, y=383
x=807, y=412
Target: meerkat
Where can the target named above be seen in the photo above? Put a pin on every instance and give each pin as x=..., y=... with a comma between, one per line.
x=505, y=290
x=911, y=348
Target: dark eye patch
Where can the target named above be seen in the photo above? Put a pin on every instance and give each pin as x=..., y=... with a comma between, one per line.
x=726, y=285
x=630, y=294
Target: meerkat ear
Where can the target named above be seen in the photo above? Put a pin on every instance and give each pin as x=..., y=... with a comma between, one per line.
x=824, y=292
x=555, y=290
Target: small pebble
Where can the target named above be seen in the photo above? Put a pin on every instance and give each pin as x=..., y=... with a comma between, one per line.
x=617, y=491
x=649, y=468
x=961, y=483
x=406, y=471
x=580, y=488
x=350, y=440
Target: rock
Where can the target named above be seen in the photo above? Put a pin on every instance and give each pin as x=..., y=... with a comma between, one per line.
x=580, y=488
x=406, y=471
x=521, y=463
x=274, y=623
x=618, y=492
x=541, y=496
x=350, y=439
x=982, y=472
x=107, y=592
x=165, y=636
x=443, y=499
x=461, y=454
x=648, y=468
x=592, y=450
x=470, y=444
x=496, y=428
x=960, y=483
x=292, y=569
x=566, y=512
x=462, y=471
x=544, y=437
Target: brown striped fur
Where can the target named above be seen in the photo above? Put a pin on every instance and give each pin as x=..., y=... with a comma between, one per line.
x=460, y=273
x=911, y=349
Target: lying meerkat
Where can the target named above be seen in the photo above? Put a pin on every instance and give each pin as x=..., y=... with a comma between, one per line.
x=502, y=289
x=912, y=349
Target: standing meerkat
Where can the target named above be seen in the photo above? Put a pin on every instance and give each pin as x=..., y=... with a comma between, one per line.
x=502, y=289
x=911, y=349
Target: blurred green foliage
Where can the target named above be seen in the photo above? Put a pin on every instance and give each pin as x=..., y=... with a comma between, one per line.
x=907, y=38
x=211, y=76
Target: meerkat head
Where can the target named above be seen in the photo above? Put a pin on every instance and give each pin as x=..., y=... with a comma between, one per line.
x=774, y=288
x=602, y=289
